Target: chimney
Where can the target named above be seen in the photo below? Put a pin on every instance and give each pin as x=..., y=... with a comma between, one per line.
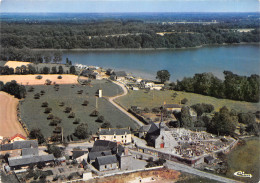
x=126, y=151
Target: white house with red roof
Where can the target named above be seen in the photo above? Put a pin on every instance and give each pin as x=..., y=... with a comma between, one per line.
x=17, y=137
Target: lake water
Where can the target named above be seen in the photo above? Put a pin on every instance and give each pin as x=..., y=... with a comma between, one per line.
x=240, y=59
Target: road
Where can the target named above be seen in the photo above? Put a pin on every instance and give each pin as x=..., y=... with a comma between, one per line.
x=111, y=100
x=188, y=169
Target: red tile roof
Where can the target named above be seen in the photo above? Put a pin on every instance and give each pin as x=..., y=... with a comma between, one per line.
x=18, y=135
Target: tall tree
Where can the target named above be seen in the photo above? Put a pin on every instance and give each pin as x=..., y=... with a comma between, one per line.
x=81, y=131
x=163, y=75
x=223, y=123
x=57, y=57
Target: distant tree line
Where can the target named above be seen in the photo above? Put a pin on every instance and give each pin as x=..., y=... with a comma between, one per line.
x=233, y=87
x=115, y=34
x=30, y=69
x=27, y=55
x=13, y=88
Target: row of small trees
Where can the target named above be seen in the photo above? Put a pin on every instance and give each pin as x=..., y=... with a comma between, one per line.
x=30, y=69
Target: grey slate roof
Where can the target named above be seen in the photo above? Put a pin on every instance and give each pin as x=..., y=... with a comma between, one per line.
x=30, y=151
x=120, y=73
x=25, y=144
x=114, y=131
x=6, y=147
x=29, y=159
x=104, y=145
x=19, y=145
x=172, y=106
x=104, y=160
x=209, y=158
x=78, y=153
x=94, y=155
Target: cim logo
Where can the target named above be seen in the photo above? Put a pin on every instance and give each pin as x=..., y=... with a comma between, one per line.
x=242, y=174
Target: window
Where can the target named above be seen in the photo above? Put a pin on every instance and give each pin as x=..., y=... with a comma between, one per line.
x=114, y=137
x=105, y=166
x=122, y=136
x=125, y=136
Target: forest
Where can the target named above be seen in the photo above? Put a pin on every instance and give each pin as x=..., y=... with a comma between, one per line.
x=126, y=33
x=233, y=87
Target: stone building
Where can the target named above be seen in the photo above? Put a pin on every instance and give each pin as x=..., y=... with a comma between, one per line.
x=104, y=163
x=120, y=135
x=124, y=158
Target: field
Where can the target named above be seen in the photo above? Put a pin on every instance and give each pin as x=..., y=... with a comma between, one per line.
x=245, y=158
x=9, y=124
x=152, y=99
x=14, y=64
x=31, y=80
x=33, y=114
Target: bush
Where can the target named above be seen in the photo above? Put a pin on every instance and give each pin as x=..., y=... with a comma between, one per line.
x=77, y=120
x=67, y=109
x=71, y=115
x=47, y=110
x=31, y=89
x=100, y=119
x=61, y=104
x=94, y=113
x=184, y=101
x=85, y=103
x=37, y=96
x=38, y=77
x=42, y=92
x=106, y=125
x=45, y=104
x=48, y=82
x=50, y=116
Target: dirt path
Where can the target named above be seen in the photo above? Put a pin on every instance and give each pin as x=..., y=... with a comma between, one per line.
x=111, y=99
x=9, y=124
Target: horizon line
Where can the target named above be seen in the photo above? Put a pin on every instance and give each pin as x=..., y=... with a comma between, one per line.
x=136, y=12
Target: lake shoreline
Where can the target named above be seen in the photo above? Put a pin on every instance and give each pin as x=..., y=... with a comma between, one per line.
x=143, y=49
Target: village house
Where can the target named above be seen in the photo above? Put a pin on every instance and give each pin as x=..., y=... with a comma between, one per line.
x=209, y=159
x=118, y=75
x=105, y=163
x=109, y=71
x=172, y=107
x=107, y=155
x=24, y=161
x=101, y=148
x=15, y=148
x=121, y=135
x=124, y=158
x=17, y=137
x=152, y=85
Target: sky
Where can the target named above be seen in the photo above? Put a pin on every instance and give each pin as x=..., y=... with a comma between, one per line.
x=105, y=6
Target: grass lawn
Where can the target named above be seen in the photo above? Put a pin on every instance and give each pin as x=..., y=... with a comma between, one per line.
x=156, y=99
x=245, y=158
x=33, y=114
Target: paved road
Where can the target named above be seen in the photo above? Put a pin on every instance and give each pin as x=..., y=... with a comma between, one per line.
x=188, y=169
x=111, y=99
